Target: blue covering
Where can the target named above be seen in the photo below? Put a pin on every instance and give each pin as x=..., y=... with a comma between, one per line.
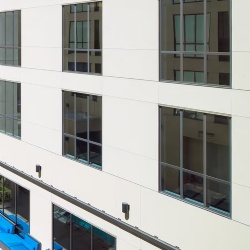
x=6, y=226
x=15, y=242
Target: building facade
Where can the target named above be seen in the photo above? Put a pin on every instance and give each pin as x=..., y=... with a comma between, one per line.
x=124, y=124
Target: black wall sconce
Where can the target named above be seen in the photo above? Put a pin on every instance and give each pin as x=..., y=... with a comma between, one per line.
x=125, y=209
x=38, y=170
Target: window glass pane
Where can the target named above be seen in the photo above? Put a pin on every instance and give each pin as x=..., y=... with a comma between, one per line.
x=95, y=155
x=9, y=56
x=95, y=118
x=218, y=147
x=9, y=126
x=9, y=199
x=69, y=113
x=219, y=26
x=81, y=115
x=2, y=124
x=95, y=17
x=10, y=28
x=170, y=28
x=192, y=64
x=2, y=56
x=81, y=234
x=82, y=151
x=23, y=208
x=82, y=61
x=17, y=128
x=82, y=29
x=2, y=29
x=170, y=180
x=199, y=25
x=218, y=196
x=189, y=29
x=102, y=240
x=170, y=136
x=95, y=59
x=2, y=97
x=61, y=228
x=17, y=28
x=17, y=100
x=9, y=99
x=193, y=141
x=69, y=60
x=170, y=63
x=216, y=66
x=69, y=147
x=68, y=27
x=193, y=187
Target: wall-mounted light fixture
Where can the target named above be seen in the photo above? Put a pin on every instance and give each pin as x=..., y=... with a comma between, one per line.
x=38, y=170
x=125, y=209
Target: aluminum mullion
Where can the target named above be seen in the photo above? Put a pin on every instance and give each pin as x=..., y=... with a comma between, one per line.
x=75, y=35
x=75, y=125
x=204, y=160
x=205, y=42
x=159, y=145
x=160, y=41
x=181, y=154
x=88, y=147
x=88, y=37
x=70, y=233
x=181, y=40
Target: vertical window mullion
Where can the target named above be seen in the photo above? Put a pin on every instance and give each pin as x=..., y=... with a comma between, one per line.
x=75, y=126
x=16, y=203
x=88, y=146
x=181, y=154
x=182, y=29
x=92, y=238
x=204, y=160
x=75, y=36
x=160, y=147
x=205, y=41
x=70, y=232
x=88, y=39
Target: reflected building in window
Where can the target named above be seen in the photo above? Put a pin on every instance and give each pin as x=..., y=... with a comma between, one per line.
x=82, y=37
x=195, y=41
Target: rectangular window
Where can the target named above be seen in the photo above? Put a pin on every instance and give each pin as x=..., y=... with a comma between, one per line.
x=82, y=37
x=195, y=36
x=10, y=108
x=71, y=232
x=10, y=38
x=195, y=158
x=15, y=204
x=82, y=128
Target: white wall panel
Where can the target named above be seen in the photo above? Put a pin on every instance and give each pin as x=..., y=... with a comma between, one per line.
x=215, y=100
x=131, y=89
x=10, y=73
x=137, y=64
x=240, y=99
x=130, y=25
x=131, y=126
x=129, y=166
x=42, y=27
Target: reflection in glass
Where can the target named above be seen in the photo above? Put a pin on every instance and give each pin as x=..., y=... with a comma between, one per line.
x=81, y=61
x=170, y=179
x=170, y=137
x=68, y=27
x=81, y=234
x=95, y=59
x=69, y=60
x=9, y=56
x=81, y=116
x=17, y=100
x=9, y=126
x=2, y=124
x=218, y=150
x=2, y=56
x=102, y=240
x=17, y=128
x=9, y=28
x=9, y=199
x=82, y=150
x=217, y=67
x=69, y=147
x=2, y=29
x=95, y=119
x=218, y=196
x=69, y=113
x=61, y=227
x=170, y=63
x=193, y=187
x=23, y=208
x=95, y=154
x=193, y=141
x=2, y=97
x=9, y=99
